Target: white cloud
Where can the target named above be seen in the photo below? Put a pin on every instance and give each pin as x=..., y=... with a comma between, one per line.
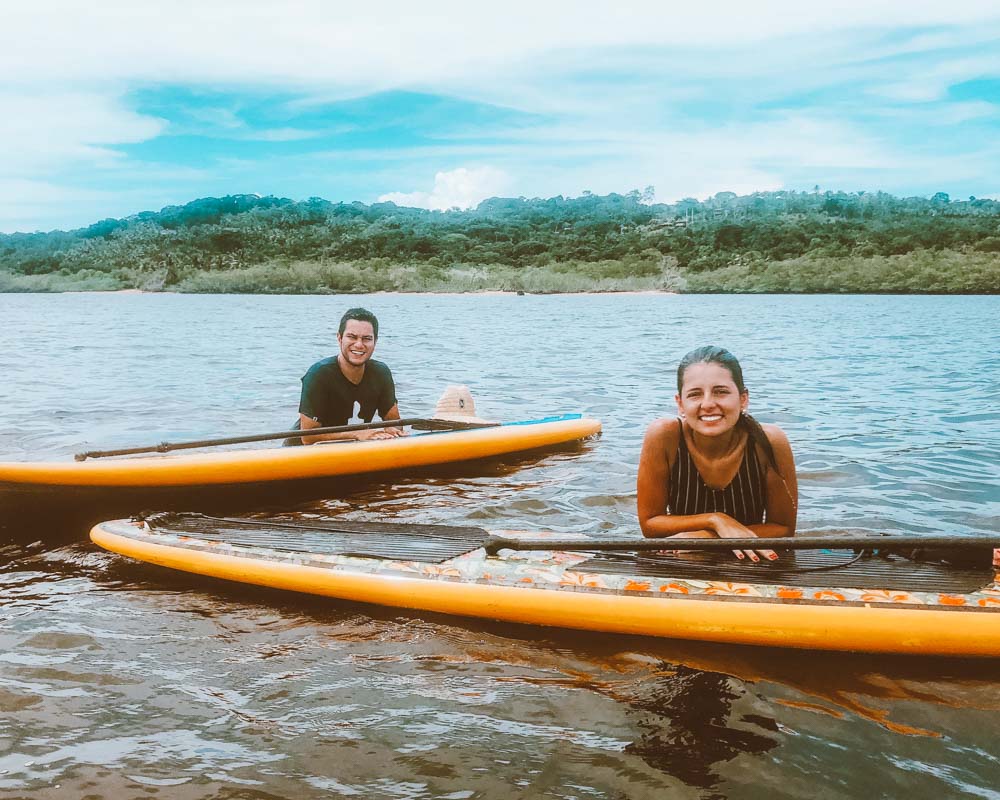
x=23, y=202
x=43, y=131
x=458, y=188
x=956, y=113
x=932, y=83
x=43, y=135
x=610, y=88
x=30, y=205
x=693, y=162
x=690, y=156
x=392, y=43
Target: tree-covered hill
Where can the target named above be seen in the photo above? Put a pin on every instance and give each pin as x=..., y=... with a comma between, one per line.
x=769, y=241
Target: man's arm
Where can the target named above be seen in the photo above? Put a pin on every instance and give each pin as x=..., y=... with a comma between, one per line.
x=391, y=414
x=388, y=398
x=305, y=423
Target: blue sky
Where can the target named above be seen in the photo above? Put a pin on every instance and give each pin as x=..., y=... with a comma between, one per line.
x=121, y=107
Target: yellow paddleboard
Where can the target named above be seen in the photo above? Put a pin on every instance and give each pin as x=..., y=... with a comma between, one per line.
x=448, y=571
x=126, y=485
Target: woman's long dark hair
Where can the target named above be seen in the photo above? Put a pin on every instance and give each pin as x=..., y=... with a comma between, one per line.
x=722, y=357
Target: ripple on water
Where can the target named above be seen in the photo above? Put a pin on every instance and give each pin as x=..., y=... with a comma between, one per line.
x=126, y=680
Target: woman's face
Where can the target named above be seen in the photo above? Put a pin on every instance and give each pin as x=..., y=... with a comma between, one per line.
x=709, y=401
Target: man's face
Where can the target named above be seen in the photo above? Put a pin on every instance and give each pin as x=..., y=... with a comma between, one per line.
x=357, y=342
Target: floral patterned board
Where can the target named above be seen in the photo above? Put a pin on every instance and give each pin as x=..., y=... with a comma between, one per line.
x=558, y=570
x=813, y=568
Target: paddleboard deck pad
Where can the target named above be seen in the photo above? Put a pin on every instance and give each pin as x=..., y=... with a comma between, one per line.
x=827, y=600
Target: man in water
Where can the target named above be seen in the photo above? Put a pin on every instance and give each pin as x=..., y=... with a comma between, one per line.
x=333, y=387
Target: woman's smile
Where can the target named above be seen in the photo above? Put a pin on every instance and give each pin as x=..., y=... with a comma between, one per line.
x=710, y=401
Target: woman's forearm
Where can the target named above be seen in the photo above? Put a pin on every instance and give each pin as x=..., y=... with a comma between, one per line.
x=689, y=526
x=699, y=526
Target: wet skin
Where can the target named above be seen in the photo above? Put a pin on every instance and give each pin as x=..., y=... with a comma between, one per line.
x=710, y=405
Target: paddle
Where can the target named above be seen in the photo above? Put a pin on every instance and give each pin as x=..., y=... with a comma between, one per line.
x=877, y=541
x=418, y=423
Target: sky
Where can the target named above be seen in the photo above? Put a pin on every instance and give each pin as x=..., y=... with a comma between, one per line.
x=112, y=108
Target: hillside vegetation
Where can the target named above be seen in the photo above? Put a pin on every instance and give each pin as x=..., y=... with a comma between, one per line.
x=764, y=242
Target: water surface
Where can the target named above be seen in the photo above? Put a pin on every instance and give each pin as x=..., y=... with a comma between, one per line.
x=117, y=678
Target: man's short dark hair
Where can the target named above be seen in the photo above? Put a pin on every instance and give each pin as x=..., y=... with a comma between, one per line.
x=361, y=315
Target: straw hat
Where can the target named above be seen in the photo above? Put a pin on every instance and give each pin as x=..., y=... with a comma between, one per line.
x=457, y=405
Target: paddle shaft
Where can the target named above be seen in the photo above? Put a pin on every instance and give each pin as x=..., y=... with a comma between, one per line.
x=165, y=447
x=496, y=543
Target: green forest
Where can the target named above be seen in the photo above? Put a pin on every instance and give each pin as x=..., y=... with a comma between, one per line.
x=764, y=242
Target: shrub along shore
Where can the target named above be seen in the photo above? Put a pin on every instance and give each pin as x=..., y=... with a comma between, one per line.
x=775, y=242
x=922, y=272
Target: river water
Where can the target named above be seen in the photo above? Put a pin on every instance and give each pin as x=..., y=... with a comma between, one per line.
x=121, y=680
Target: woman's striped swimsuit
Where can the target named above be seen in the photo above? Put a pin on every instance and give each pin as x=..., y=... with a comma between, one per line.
x=744, y=499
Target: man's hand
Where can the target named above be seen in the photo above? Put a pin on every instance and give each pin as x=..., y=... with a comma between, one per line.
x=378, y=433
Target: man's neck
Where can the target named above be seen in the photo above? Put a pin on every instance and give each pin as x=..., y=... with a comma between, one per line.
x=350, y=371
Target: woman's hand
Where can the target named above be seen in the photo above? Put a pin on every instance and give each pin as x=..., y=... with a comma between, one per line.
x=726, y=527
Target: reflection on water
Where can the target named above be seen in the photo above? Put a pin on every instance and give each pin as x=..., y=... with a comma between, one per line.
x=235, y=682
x=686, y=724
x=124, y=679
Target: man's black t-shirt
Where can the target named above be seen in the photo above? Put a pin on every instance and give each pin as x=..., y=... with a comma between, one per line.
x=329, y=398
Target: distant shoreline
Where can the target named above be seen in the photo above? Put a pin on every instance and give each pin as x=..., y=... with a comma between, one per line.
x=387, y=293
x=499, y=293
x=922, y=272
x=781, y=242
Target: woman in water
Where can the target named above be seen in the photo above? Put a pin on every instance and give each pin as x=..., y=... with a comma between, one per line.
x=715, y=472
